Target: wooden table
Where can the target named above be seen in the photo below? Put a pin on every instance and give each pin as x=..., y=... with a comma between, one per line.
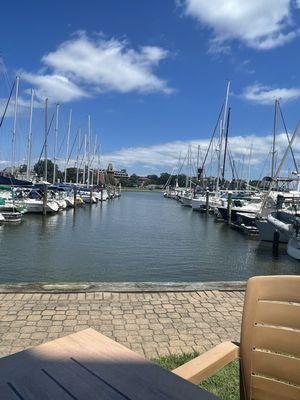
x=88, y=365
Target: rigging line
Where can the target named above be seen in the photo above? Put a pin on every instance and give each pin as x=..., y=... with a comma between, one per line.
x=226, y=141
x=288, y=137
x=230, y=153
x=46, y=136
x=72, y=147
x=93, y=158
x=180, y=169
x=211, y=140
x=264, y=166
x=63, y=141
x=7, y=104
x=231, y=165
x=77, y=158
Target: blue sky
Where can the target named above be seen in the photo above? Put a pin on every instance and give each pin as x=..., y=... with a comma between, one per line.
x=152, y=74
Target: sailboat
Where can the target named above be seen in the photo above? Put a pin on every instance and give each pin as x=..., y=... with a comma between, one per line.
x=264, y=224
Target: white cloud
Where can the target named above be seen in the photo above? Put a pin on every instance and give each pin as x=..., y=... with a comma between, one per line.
x=260, y=24
x=58, y=88
x=85, y=66
x=161, y=157
x=266, y=95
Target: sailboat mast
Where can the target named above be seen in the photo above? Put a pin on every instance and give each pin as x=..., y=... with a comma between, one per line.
x=223, y=124
x=89, y=149
x=274, y=139
x=15, y=126
x=226, y=143
x=187, y=165
x=55, y=142
x=219, y=157
x=84, y=157
x=68, y=144
x=29, y=143
x=98, y=172
x=249, y=165
x=93, y=160
x=190, y=167
x=46, y=140
x=78, y=152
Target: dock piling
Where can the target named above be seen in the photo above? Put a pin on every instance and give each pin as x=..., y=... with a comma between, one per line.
x=75, y=195
x=229, y=204
x=207, y=203
x=45, y=200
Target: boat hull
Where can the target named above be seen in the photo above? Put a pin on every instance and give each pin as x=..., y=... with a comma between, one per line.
x=267, y=231
x=293, y=248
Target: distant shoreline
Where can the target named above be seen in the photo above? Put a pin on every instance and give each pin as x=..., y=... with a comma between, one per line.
x=128, y=189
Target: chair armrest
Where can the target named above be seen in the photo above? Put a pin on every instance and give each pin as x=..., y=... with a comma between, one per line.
x=207, y=364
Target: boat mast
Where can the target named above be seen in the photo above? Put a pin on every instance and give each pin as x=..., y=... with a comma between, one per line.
x=249, y=165
x=29, y=143
x=68, y=144
x=55, y=142
x=190, y=167
x=46, y=141
x=89, y=149
x=198, y=161
x=219, y=157
x=226, y=143
x=98, y=164
x=94, y=156
x=274, y=139
x=78, y=152
x=296, y=131
x=223, y=124
x=84, y=157
x=15, y=126
x=187, y=165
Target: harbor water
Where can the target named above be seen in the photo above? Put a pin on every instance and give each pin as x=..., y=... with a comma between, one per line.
x=139, y=237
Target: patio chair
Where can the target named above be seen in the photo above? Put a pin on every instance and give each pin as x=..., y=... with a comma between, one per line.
x=269, y=351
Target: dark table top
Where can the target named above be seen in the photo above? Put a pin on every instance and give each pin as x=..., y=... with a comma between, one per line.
x=88, y=365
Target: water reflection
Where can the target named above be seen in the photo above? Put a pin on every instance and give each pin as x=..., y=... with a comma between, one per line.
x=141, y=237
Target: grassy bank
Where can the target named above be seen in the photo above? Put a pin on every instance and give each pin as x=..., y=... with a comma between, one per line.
x=225, y=383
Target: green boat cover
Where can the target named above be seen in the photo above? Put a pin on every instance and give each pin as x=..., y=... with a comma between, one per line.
x=5, y=187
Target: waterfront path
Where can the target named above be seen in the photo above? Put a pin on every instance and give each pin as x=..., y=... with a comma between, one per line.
x=153, y=324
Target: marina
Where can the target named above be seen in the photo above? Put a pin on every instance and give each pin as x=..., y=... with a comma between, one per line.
x=150, y=200
x=138, y=237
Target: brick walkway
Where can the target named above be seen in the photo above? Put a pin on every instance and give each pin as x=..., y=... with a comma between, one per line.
x=153, y=324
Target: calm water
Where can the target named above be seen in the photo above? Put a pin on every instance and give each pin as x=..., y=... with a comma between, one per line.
x=139, y=237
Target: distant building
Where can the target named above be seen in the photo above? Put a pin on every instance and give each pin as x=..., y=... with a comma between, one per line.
x=110, y=168
x=121, y=174
x=142, y=180
x=117, y=174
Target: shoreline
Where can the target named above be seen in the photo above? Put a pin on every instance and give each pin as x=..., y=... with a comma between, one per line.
x=120, y=287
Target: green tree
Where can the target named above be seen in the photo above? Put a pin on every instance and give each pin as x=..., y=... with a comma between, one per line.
x=152, y=180
x=39, y=169
x=163, y=179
